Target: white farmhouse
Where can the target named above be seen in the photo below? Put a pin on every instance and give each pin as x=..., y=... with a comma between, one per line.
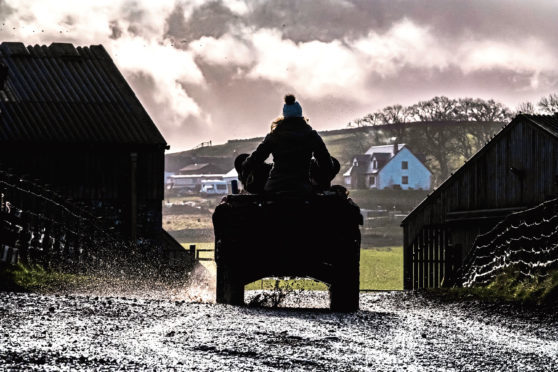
x=388, y=167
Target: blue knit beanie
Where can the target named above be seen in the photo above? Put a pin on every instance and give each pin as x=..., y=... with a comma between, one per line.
x=291, y=108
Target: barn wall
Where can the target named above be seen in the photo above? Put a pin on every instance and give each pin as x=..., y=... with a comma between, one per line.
x=98, y=179
x=517, y=169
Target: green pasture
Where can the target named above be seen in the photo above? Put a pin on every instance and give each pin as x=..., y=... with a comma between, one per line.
x=380, y=269
x=34, y=278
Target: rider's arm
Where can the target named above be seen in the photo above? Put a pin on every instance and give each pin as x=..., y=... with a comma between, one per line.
x=260, y=154
x=320, y=152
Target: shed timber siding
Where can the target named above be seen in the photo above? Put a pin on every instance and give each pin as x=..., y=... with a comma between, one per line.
x=517, y=169
x=69, y=119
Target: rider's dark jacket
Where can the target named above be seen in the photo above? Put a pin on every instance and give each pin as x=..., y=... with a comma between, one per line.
x=292, y=144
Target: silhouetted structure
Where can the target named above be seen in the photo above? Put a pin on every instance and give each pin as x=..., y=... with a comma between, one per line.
x=70, y=120
x=314, y=236
x=517, y=169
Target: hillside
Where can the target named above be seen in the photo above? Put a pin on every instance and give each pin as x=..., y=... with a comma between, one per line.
x=445, y=144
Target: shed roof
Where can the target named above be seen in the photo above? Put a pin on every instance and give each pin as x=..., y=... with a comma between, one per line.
x=63, y=94
x=547, y=123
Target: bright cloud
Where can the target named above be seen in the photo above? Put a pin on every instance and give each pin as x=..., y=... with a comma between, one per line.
x=140, y=47
x=315, y=69
x=257, y=46
x=167, y=66
x=405, y=44
x=227, y=50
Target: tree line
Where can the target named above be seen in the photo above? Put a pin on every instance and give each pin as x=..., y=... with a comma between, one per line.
x=546, y=105
x=445, y=131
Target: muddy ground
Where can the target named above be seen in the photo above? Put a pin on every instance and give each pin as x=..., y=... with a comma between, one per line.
x=392, y=331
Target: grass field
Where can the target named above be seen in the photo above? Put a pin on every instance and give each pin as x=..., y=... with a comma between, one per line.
x=380, y=269
x=34, y=278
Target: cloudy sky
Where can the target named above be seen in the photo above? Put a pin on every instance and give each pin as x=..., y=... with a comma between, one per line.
x=216, y=70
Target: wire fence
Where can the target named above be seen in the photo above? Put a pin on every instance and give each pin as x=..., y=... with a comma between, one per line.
x=526, y=240
x=39, y=226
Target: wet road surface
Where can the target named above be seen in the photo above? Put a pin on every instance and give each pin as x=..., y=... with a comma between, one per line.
x=392, y=331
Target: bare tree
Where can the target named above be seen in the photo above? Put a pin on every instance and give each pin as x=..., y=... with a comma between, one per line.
x=446, y=140
x=549, y=104
x=526, y=108
x=375, y=118
x=395, y=114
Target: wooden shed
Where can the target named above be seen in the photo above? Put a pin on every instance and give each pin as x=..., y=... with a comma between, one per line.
x=517, y=169
x=69, y=119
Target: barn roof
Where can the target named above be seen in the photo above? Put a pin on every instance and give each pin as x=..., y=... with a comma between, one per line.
x=63, y=94
x=547, y=123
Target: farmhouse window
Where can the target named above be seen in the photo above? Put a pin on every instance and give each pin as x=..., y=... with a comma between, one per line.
x=372, y=180
x=404, y=165
x=375, y=164
x=405, y=180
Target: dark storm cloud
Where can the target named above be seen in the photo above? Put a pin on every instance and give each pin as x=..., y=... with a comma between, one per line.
x=326, y=20
x=210, y=19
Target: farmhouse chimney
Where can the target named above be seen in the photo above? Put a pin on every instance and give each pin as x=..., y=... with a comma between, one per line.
x=395, y=148
x=3, y=75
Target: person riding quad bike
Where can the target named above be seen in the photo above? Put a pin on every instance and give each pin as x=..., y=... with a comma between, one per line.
x=301, y=161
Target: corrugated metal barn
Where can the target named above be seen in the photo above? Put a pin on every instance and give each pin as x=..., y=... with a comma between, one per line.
x=69, y=119
x=517, y=169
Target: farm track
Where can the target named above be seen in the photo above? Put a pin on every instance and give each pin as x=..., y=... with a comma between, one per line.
x=393, y=331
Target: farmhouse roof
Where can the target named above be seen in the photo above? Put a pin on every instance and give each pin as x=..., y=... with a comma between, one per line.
x=382, y=158
x=193, y=167
x=364, y=159
x=547, y=123
x=363, y=162
x=66, y=94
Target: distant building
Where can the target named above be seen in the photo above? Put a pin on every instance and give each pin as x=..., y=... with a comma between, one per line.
x=201, y=168
x=174, y=162
x=388, y=167
x=231, y=175
x=190, y=182
x=193, y=182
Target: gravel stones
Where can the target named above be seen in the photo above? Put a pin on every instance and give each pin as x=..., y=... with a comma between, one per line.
x=392, y=331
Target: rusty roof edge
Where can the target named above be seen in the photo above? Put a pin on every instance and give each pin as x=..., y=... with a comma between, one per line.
x=447, y=182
